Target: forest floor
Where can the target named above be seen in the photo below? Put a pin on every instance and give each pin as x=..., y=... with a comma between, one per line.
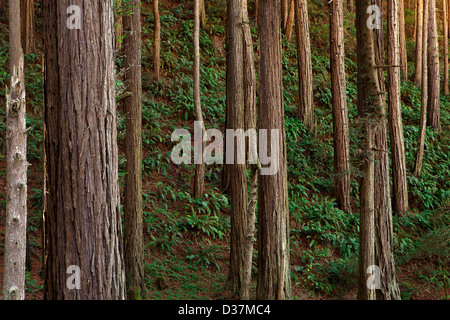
x=186, y=239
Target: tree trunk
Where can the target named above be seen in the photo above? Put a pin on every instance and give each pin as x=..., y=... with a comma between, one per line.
x=339, y=103
x=284, y=13
x=369, y=99
x=157, y=43
x=290, y=21
x=433, y=117
x=235, y=120
x=400, y=189
x=27, y=25
x=419, y=43
x=16, y=166
x=134, y=246
x=403, y=53
x=199, y=178
x=424, y=100
x=250, y=123
x=202, y=11
x=82, y=215
x=350, y=6
x=273, y=221
x=306, y=107
x=445, y=18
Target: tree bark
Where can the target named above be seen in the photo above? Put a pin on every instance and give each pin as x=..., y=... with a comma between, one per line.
x=400, y=189
x=306, y=107
x=134, y=245
x=369, y=100
x=419, y=43
x=27, y=25
x=157, y=42
x=284, y=13
x=403, y=53
x=433, y=116
x=445, y=18
x=424, y=99
x=82, y=219
x=199, y=178
x=273, y=220
x=16, y=166
x=290, y=21
x=339, y=103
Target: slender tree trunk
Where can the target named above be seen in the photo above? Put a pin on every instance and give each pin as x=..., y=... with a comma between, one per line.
x=202, y=12
x=424, y=100
x=82, y=216
x=273, y=220
x=339, y=103
x=284, y=13
x=403, y=53
x=157, y=42
x=199, y=178
x=400, y=189
x=290, y=21
x=306, y=107
x=16, y=166
x=415, y=18
x=445, y=18
x=27, y=25
x=419, y=43
x=134, y=246
x=250, y=123
x=433, y=117
x=351, y=5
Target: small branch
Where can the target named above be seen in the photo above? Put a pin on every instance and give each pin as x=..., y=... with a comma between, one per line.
x=123, y=96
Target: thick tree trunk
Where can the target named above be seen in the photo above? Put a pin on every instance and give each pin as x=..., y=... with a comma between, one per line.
x=433, y=116
x=400, y=189
x=419, y=43
x=16, y=166
x=235, y=120
x=27, y=25
x=157, y=42
x=339, y=103
x=199, y=178
x=134, y=246
x=82, y=215
x=424, y=100
x=274, y=276
x=370, y=99
x=306, y=107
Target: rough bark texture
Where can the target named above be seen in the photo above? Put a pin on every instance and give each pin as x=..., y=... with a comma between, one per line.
x=424, y=99
x=433, y=116
x=400, y=188
x=134, y=245
x=235, y=120
x=82, y=219
x=284, y=13
x=199, y=178
x=419, y=43
x=339, y=103
x=27, y=25
x=306, y=107
x=157, y=42
x=16, y=166
x=274, y=281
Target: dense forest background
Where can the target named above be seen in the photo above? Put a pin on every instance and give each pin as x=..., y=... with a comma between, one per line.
x=186, y=239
